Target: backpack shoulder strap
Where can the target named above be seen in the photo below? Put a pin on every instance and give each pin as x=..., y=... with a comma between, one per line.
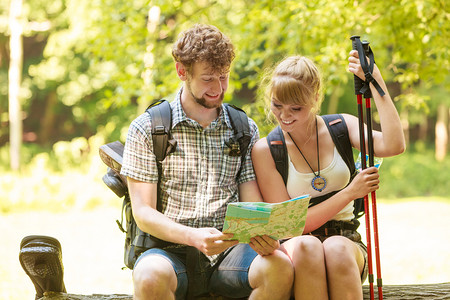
x=241, y=128
x=277, y=146
x=339, y=133
x=161, y=115
x=161, y=119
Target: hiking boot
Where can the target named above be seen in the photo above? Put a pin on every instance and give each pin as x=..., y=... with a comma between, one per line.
x=115, y=183
x=111, y=154
x=41, y=258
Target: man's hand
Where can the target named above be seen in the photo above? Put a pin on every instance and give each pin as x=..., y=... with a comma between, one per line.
x=211, y=241
x=264, y=245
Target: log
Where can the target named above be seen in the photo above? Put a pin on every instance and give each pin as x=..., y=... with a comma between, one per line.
x=416, y=291
x=391, y=292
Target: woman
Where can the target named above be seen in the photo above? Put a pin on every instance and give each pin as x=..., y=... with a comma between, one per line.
x=326, y=267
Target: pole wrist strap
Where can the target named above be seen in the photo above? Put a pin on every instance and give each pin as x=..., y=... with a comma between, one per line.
x=367, y=68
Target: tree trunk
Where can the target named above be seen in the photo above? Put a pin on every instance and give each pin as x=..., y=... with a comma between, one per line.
x=423, y=129
x=48, y=121
x=334, y=99
x=149, y=57
x=441, y=138
x=405, y=124
x=15, y=77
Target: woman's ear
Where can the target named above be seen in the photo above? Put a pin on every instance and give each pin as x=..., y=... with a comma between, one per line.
x=181, y=71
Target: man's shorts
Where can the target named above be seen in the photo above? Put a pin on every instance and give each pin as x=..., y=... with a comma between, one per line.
x=228, y=277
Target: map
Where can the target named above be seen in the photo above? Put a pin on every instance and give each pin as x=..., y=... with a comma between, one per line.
x=277, y=220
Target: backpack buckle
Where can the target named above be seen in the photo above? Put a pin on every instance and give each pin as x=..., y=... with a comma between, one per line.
x=159, y=130
x=233, y=147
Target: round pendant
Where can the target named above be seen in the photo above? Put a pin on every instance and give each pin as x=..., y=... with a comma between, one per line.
x=319, y=183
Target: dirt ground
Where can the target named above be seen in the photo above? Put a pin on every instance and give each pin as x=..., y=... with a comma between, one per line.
x=414, y=244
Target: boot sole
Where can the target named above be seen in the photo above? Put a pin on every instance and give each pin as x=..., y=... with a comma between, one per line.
x=41, y=258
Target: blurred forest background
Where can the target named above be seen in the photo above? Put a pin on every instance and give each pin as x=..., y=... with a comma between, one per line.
x=74, y=73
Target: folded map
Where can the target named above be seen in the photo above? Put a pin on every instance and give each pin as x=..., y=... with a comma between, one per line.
x=277, y=220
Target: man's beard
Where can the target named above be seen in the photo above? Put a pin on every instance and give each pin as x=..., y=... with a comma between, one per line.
x=203, y=102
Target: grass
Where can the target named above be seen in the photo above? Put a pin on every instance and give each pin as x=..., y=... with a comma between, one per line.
x=414, y=174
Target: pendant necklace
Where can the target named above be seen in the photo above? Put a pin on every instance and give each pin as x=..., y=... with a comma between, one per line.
x=318, y=182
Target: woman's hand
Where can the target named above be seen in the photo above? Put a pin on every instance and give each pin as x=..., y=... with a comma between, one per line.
x=354, y=66
x=264, y=245
x=364, y=183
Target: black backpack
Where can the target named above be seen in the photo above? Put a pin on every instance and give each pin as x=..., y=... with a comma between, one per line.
x=339, y=133
x=137, y=241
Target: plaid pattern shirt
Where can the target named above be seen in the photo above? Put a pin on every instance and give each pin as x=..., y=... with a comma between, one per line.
x=200, y=178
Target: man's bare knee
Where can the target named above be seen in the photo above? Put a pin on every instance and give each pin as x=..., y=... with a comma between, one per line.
x=154, y=278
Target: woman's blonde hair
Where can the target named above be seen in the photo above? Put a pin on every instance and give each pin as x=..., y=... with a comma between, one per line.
x=296, y=80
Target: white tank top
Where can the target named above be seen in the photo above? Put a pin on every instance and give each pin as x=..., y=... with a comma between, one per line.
x=336, y=174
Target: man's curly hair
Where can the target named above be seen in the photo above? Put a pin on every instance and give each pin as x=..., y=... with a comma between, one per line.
x=204, y=43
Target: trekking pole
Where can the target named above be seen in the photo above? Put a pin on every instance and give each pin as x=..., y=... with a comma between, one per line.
x=374, y=200
x=368, y=96
x=363, y=50
x=359, y=83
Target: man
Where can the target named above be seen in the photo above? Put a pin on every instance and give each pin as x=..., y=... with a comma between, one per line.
x=198, y=181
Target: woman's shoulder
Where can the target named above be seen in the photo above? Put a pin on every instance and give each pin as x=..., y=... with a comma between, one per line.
x=348, y=117
x=261, y=145
x=261, y=150
x=351, y=121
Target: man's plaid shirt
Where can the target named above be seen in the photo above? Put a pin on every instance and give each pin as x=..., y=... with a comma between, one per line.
x=200, y=178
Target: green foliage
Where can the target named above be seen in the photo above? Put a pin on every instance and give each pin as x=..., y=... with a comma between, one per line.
x=103, y=58
x=415, y=173
x=67, y=177
x=260, y=113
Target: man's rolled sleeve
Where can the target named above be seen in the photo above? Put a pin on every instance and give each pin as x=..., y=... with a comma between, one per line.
x=139, y=162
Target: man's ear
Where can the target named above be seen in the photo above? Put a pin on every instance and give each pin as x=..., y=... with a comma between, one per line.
x=181, y=71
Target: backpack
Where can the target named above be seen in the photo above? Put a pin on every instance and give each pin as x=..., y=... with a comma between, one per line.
x=339, y=133
x=137, y=241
